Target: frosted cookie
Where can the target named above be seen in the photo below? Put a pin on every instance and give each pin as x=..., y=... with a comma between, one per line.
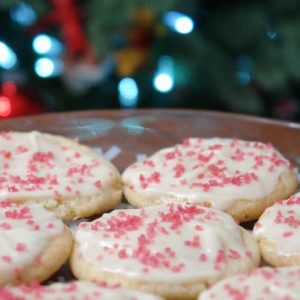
x=77, y=290
x=278, y=232
x=261, y=284
x=64, y=176
x=34, y=243
x=170, y=250
x=239, y=177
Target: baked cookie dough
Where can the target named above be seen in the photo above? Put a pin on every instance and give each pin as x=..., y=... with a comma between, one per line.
x=174, y=251
x=261, y=284
x=278, y=233
x=76, y=290
x=34, y=243
x=239, y=177
x=64, y=176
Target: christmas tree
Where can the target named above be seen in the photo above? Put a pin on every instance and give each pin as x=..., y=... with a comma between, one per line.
x=240, y=56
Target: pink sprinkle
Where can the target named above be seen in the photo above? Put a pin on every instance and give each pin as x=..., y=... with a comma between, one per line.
x=68, y=189
x=248, y=254
x=38, y=260
x=233, y=254
x=22, y=149
x=30, y=222
x=220, y=257
x=6, y=258
x=5, y=226
x=98, y=184
x=178, y=268
x=18, y=214
x=203, y=257
x=195, y=242
x=287, y=234
x=123, y=254
x=50, y=225
x=199, y=228
x=179, y=170
x=21, y=247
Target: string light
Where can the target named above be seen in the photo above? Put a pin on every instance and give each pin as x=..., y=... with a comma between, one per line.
x=47, y=67
x=128, y=92
x=23, y=14
x=8, y=58
x=178, y=22
x=164, y=77
x=44, y=44
x=5, y=106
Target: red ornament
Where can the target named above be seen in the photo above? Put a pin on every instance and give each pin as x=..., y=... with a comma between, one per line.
x=68, y=16
x=18, y=101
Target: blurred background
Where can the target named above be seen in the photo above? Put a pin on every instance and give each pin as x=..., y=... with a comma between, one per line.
x=63, y=55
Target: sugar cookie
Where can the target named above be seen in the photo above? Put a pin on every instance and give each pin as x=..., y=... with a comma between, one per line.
x=64, y=176
x=171, y=250
x=239, y=177
x=278, y=232
x=261, y=284
x=76, y=290
x=34, y=243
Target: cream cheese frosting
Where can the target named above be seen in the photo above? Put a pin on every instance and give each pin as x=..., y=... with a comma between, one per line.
x=166, y=243
x=77, y=290
x=25, y=231
x=280, y=225
x=214, y=171
x=261, y=284
x=36, y=165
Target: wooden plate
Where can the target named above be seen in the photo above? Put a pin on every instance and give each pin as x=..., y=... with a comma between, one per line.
x=130, y=135
x=142, y=132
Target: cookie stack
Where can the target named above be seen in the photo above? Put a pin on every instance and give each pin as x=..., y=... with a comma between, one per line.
x=181, y=241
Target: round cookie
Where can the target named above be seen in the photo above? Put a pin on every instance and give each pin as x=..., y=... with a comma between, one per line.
x=278, y=233
x=174, y=251
x=76, y=290
x=261, y=284
x=239, y=177
x=34, y=243
x=64, y=176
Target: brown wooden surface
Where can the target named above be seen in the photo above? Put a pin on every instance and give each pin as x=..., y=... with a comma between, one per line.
x=145, y=131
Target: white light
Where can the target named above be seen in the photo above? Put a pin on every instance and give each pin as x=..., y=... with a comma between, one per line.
x=128, y=92
x=41, y=44
x=44, y=44
x=184, y=25
x=163, y=82
x=23, y=14
x=8, y=58
x=46, y=67
x=178, y=22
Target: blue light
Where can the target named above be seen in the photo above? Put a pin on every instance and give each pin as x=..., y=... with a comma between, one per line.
x=244, y=65
x=45, y=44
x=46, y=67
x=243, y=77
x=23, y=14
x=164, y=76
x=8, y=58
x=128, y=92
x=178, y=22
x=271, y=34
x=163, y=82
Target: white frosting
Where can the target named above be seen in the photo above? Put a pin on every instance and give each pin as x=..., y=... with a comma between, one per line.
x=261, y=284
x=35, y=165
x=25, y=231
x=77, y=290
x=280, y=225
x=209, y=171
x=165, y=243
